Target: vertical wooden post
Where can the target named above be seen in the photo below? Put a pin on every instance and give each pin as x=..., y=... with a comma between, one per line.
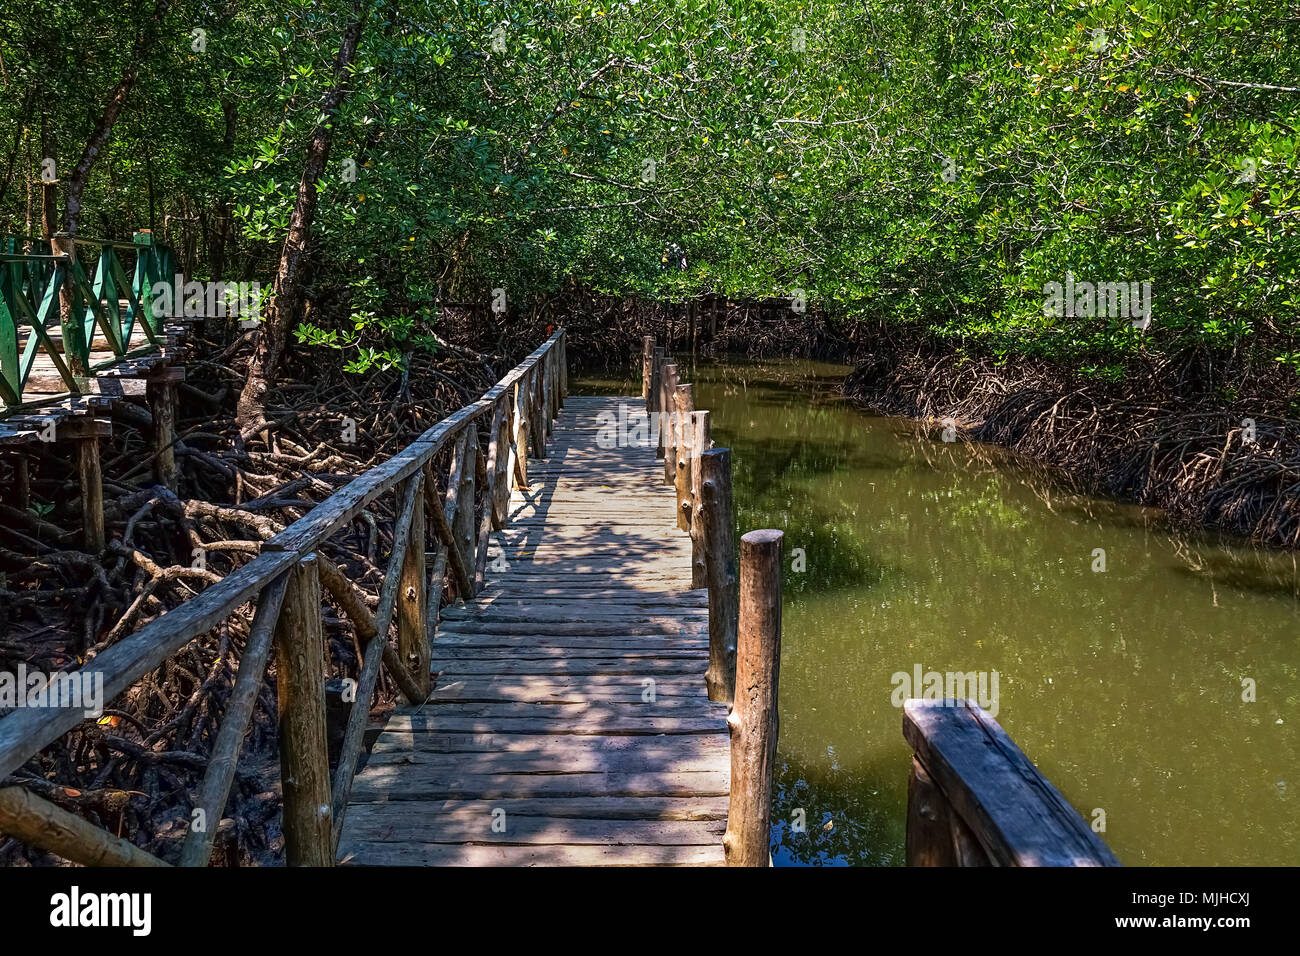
x=656, y=401
x=85, y=434
x=500, y=448
x=304, y=752
x=462, y=526
x=550, y=382
x=647, y=368
x=928, y=840
x=753, y=720
x=22, y=482
x=699, y=549
x=536, y=426
x=669, y=427
x=412, y=636
x=519, y=445
x=161, y=392
x=720, y=572
x=685, y=430
x=563, y=345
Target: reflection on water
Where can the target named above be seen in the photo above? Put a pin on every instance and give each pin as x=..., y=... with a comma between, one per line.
x=1125, y=686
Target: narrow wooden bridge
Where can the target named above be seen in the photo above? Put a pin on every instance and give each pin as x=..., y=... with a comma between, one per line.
x=570, y=723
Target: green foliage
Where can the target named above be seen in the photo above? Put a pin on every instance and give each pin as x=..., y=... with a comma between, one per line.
x=925, y=163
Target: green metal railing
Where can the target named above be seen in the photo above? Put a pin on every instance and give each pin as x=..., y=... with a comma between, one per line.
x=46, y=286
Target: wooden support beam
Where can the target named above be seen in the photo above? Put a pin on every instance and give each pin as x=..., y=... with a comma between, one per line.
x=162, y=406
x=519, y=438
x=354, y=735
x=719, y=543
x=351, y=603
x=484, y=474
x=656, y=400
x=463, y=530
x=304, y=753
x=564, y=367
x=22, y=482
x=433, y=600
x=929, y=821
x=753, y=719
x=214, y=791
x=669, y=427
x=685, y=430
x=85, y=434
x=444, y=514
x=536, y=426
x=413, y=649
x=701, y=443
x=647, y=368
x=499, y=466
x=37, y=822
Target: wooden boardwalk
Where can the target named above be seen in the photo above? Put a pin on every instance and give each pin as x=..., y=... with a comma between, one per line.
x=570, y=723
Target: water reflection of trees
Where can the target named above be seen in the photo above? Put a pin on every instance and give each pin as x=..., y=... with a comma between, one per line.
x=864, y=830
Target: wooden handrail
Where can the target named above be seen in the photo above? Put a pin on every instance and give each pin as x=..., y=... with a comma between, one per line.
x=521, y=406
x=974, y=799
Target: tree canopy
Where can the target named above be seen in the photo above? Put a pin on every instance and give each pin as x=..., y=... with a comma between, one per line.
x=933, y=164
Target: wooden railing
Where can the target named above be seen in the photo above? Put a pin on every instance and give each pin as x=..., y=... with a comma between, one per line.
x=487, y=445
x=974, y=799
x=45, y=288
x=744, y=598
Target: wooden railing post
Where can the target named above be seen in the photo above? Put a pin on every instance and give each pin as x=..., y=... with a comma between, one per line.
x=161, y=392
x=499, y=453
x=699, y=551
x=753, y=719
x=462, y=525
x=669, y=428
x=413, y=648
x=519, y=440
x=720, y=571
x=536, y=423
x=304, y=753
x=647, y=368
x=929, y=837
x=86, y=433
x=685, y=431
x=563, y=346
x=656, y=402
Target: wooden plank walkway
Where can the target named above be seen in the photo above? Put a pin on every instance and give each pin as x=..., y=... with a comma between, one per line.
x=570, y=724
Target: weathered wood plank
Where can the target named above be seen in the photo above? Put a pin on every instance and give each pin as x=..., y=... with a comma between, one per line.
x=1016, y=814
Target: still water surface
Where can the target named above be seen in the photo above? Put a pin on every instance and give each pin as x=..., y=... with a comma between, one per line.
x=1125, y=687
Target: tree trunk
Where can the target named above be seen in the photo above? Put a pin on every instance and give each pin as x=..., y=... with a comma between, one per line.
x=286, y=294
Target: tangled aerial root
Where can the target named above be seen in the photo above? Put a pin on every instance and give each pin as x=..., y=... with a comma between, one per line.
x=1165, y=437
x=136, y=769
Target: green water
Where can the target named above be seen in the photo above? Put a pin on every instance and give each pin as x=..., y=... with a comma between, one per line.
x=1125, y=686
